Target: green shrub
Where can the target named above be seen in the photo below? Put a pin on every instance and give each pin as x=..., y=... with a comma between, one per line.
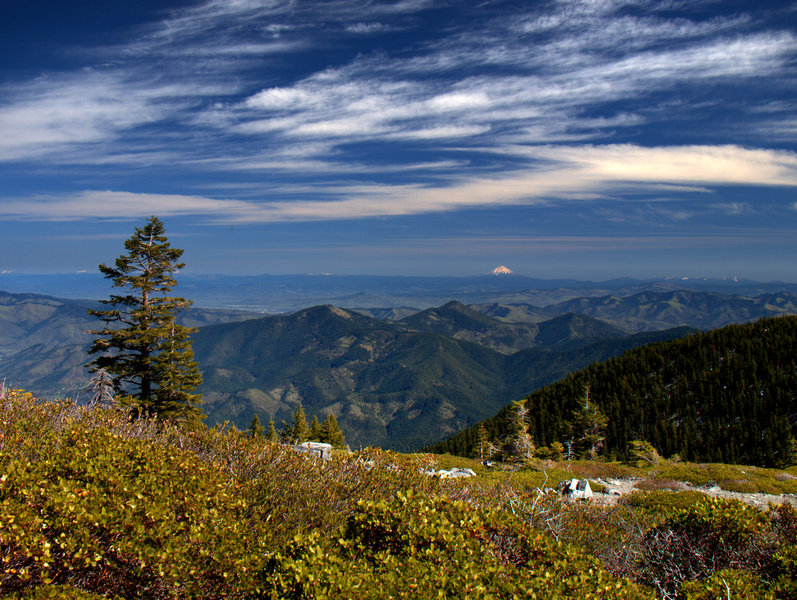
x=418, y=547
x=643, y=454
x=142, y=509
x=662, y=503
x=94, y=505
x=123, y=516
x=730, y=477
x=57, y=592
x=729, y=584
x=593, y=469
x=783, y=572
x=707, y=537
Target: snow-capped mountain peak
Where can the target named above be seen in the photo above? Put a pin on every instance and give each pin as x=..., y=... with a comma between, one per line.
x=502, y=270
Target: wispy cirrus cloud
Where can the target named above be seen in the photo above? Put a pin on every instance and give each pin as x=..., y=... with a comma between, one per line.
x=542, y=97
x=211, y=73
x=114, y=205
x=563, y=174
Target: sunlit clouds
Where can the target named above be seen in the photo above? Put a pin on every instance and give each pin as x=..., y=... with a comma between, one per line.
x=626, y=117
x=564, y=173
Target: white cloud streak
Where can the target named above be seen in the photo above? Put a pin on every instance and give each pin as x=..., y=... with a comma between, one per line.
x=564, y=174
x=542, y=77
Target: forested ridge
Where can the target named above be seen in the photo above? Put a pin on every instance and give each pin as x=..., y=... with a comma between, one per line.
x=727, y=395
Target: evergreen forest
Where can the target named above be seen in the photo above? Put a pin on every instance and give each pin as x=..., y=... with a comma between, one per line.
x=727, y=395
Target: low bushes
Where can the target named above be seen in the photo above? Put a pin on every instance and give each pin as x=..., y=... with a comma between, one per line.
x=662, y=504
x=126, y=517
x=730, y=477
x=419, y=547
x=95, y=505
x=721, y=545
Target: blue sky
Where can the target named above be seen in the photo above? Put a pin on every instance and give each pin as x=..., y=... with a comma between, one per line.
x=588, y=139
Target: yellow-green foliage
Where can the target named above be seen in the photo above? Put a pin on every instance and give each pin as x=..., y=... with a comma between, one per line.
x=422, y=547
x=729, y=584
x=662, y=504
x=783, y=569
x=93, y=504
x=123, y=516
x=57, y=592
x=143, y=509
x=722, y=542
x=730, y=477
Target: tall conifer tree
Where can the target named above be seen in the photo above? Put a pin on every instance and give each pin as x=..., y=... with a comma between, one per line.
x=519, y=445
x=148, y=354
x=298, y=431
x=314, y=433
x=588, y=425
x=484, y=448
x=255, y=428
x=331, y=432
x=271, y=433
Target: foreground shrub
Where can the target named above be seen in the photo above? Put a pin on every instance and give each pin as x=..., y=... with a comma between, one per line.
x=747, y=479
x=140, y=509
x=729, y=584
x=93, y=504
x=661, y=504
x=421, y=547
x=695, y=543
x=124, y=517
x=57, y=592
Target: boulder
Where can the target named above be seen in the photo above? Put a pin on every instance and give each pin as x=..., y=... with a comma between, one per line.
x=576, y=488
x=452, y=473
x=317, y=449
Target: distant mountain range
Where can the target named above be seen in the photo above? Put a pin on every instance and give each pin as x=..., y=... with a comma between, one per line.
x=43, y=340
x=651, y=311
x=397, y=377
x=28, y=320
x=288, y=293
x=393, y=384
x=397, y=384
x=464, y=323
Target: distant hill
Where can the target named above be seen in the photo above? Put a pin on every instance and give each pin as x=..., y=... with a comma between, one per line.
x=726, y=395
x=651, y=311
x=462, y=322
x=401, y=383
x=390, y=314
x=30, y=319
x=388, y=383
x=43, y=340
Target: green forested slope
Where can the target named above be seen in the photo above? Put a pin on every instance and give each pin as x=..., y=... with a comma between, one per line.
x=727, y=395
x=387, y=385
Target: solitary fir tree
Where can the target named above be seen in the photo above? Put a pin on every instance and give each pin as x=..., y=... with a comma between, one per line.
x=298, y=431
x=331, y=432
x=255, y=428
x=141, y=346
x=271, y=432
x=588, y=426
